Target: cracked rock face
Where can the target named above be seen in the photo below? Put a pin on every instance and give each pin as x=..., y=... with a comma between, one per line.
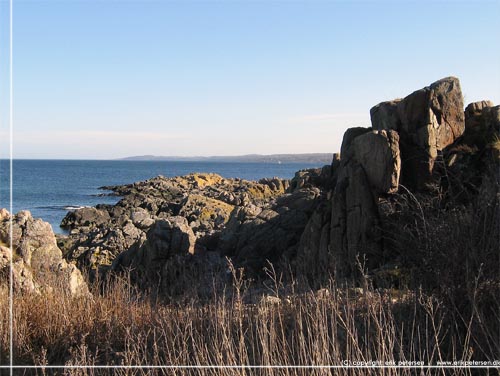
x=346, y=227
x=38, y=264
x=378, y=154
x=428, y=120
x=165, y=239
x=98, y=235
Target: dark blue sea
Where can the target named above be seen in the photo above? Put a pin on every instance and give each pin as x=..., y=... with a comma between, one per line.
x=50, y=188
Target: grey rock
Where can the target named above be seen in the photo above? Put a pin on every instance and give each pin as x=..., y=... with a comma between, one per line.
x=165, y=239
x=38, y=264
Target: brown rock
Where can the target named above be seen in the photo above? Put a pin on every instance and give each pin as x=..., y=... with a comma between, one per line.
x=473, y=113
x=349, y=136
x=428, y=120
x=378, y=154
x=385, y=116
x=433, y=117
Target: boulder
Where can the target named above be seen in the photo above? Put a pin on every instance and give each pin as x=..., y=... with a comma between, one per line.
x=428, y=120
x=433, y=117
x=277, y=185
x=385, y=115
x=344, y=229
x=323, y=178
x=88, y=217
x=473, y=113
x=166, y=238
x=38, y=264
x=141, y=218
x=349, y=136
x=205, y=213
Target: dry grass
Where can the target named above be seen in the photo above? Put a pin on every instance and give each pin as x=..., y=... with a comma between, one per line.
x=314, y=328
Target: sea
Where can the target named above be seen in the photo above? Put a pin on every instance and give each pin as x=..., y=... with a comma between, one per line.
x=51, y=188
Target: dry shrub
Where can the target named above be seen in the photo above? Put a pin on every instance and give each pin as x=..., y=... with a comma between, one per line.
x=121, y=327
x=450, y=249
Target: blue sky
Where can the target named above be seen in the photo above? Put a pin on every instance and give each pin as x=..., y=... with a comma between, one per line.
x=108, y=79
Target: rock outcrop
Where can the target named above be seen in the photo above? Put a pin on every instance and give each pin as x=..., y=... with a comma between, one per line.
x=205, y=201
x=482, y=119
x=428, y=120
x=37, y=262
x=354, y=225
x=254, y=235
x=164, y=239
x=422, y=139
x=345, y=231
x=329, y=221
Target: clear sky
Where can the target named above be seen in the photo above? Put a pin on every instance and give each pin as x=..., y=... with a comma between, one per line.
x=109, y=79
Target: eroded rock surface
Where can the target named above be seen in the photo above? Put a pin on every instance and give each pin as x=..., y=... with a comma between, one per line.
x=38, y=264
x=428, y=120
x=329, y=221
x=416, y=141
x=205, y=201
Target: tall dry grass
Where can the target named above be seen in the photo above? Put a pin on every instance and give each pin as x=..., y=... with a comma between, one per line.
x=326, y=327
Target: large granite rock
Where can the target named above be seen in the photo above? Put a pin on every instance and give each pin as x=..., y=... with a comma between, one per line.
x=385, y=115
x=344, y=231
x=433, y=117
x=428, y=120
x=38, y=264
x=378, y=153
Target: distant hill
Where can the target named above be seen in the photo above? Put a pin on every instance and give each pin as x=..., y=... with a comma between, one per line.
x=320, y=158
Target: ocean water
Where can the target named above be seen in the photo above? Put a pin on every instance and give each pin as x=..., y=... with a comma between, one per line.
x=50, y=188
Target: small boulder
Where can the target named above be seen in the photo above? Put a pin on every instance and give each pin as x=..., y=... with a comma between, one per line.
x=88, y=217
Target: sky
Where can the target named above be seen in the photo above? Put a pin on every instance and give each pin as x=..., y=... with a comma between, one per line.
x=110, y=79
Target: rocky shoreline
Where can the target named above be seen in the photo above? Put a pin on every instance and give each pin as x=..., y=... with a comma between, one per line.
x=423, y=159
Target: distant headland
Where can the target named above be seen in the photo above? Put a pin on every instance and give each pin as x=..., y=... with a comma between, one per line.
x=320, y=158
